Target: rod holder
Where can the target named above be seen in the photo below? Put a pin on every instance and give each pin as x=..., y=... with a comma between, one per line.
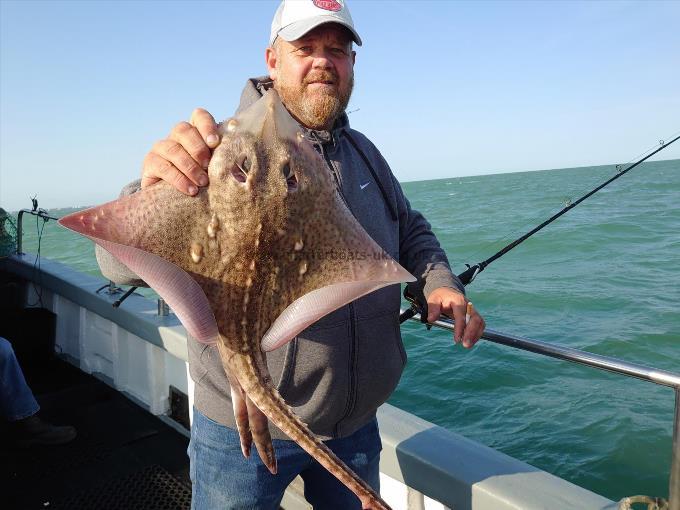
x=127, y=294
x=163, y=308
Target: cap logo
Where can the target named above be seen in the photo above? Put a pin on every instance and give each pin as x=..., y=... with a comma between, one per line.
x=328, y=5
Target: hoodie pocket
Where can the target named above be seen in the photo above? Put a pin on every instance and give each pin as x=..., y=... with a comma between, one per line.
x=380, y=362
x=197, y=363
x=314, y=377
x=280, y=363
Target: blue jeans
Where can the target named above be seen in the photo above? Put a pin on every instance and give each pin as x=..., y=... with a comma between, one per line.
x=223, y=479
x=16, y=398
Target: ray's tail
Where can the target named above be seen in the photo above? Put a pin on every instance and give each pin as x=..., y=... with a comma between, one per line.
x=270, y=402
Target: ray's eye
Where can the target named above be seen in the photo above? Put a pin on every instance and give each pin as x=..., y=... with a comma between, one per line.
x=240, y=170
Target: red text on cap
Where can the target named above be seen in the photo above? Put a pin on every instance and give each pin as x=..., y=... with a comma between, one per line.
x=328, y=5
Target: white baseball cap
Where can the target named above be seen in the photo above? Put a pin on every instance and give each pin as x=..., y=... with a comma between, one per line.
x=294, y=18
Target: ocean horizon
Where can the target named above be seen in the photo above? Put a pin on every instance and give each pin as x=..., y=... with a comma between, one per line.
x=611, y=166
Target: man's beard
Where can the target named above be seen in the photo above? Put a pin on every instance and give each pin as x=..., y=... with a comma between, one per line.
x=318, y=109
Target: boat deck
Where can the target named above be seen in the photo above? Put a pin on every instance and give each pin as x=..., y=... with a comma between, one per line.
x=123, y=457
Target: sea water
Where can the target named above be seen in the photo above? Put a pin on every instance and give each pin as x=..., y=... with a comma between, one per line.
x=604, y=278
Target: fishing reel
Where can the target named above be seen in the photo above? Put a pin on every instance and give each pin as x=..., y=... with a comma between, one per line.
x=417, y=307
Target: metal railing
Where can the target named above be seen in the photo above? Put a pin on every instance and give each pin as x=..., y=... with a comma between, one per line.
x=40, y=213
x=661, y=377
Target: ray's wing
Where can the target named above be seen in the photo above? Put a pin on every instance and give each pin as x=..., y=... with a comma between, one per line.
x=348, y=265
x=141, y=230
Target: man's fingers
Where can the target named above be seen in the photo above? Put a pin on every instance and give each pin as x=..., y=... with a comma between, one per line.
x=433, y=310
x=473, y=330
x=158, y=168
x=458, y=312
x=207, y=127
x=193, y=143
x=175, y=153
x=468, y=324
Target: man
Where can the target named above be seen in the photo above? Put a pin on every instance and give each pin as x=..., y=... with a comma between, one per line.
x=337, y=372
x=20, y=409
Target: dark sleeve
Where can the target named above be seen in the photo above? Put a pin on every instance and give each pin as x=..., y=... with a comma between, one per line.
x=110, y=267
x=420, y=252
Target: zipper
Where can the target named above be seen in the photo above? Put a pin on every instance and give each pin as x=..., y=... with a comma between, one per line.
x=353, y=353
x=336, y=176
x=353, y=350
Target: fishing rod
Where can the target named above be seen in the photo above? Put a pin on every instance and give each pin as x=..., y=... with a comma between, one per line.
x=471, y=272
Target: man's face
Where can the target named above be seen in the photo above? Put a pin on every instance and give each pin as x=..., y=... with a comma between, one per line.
x=314, y=75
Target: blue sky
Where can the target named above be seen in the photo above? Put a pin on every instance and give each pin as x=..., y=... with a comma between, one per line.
x=443, y=88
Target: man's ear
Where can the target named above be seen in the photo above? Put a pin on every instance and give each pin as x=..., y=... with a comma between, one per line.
x=354, y=57
x=271, y=59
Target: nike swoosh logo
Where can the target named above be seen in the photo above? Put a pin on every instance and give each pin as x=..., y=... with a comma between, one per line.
x=362, y=186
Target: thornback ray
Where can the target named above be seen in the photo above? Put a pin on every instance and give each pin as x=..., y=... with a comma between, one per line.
x=266, y=249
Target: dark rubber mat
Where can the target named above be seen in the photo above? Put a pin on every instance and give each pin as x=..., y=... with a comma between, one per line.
x=152, y=488
x=121, y=452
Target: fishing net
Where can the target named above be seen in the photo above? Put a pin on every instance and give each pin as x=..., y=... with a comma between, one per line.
x=8, y=234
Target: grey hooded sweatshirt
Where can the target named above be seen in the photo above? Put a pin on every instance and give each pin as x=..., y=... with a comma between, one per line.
x=338, y=371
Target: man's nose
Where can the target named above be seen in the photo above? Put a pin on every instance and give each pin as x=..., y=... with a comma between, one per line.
x=322, y=61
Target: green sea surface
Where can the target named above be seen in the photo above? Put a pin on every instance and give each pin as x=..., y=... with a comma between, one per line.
x=604, y=278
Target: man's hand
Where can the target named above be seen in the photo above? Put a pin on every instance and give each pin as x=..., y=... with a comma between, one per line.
x=182, y=158
x=453, y=304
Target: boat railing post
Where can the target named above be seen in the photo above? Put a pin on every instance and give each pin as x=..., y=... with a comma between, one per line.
x=20, y=220
x=674, y=480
